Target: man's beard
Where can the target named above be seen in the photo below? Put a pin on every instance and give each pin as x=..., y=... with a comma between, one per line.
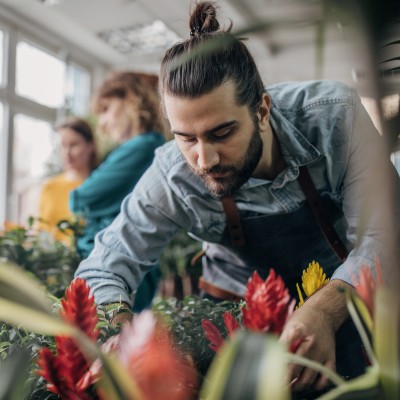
x=239, y=173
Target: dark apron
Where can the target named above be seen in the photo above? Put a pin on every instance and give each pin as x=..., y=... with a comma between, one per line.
x=287, y=243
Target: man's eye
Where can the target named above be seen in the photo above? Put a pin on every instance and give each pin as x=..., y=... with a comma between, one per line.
x=222, y=134
x=188, y=139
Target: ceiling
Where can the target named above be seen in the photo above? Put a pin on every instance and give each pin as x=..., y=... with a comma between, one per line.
x=300, y=40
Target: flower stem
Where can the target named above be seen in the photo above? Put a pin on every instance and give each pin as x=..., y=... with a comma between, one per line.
x=332, y=375
x=361, y=331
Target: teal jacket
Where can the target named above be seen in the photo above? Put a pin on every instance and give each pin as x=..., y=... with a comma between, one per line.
x=98, y=199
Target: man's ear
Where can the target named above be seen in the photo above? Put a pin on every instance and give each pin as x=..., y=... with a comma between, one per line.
x=263, y=112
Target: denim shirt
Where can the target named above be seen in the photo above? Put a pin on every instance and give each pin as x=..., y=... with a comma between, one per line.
x=320, y=124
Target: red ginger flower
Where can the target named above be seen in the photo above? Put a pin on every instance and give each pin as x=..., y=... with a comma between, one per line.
x=63, y=370
x=79, y=308
x=230, y=323
x=212, y=333
x=268, y=304
x=52, y=371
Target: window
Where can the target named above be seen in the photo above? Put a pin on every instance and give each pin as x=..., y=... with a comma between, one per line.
x=52, y=79
x=39, y=75
x=78, y=90
x=33, y=145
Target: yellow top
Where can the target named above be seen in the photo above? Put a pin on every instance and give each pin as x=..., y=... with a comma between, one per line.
x=53, y=206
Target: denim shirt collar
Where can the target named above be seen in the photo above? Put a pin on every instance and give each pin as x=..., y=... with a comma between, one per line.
x=296, y=149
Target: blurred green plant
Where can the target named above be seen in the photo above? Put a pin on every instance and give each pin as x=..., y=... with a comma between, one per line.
x=248, y=360
x=176, y=256
x=179, y=276
x=32, y=320
x=52, y=262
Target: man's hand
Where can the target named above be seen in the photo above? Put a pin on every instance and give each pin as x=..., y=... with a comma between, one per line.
x=123, y=316
x=317, y=342
x=315, y=324
x=118, y=313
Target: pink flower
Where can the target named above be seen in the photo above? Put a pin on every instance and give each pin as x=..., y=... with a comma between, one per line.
x=145, y=349
x=94, y=373
x=268, y=304
x=367, y=284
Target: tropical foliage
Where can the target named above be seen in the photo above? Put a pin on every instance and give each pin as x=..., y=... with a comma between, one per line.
x=66, y=348
x=77, y=354
x=53, y=262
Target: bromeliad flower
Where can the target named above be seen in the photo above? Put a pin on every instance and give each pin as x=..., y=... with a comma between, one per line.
x=51, y=369
x=79, y=308
x=212, y=333
x=64, y=369
x=230, y=322
x=268, y=304
x=313, y=279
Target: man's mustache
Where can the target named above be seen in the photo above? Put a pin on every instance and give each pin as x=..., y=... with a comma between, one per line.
x=216, y=169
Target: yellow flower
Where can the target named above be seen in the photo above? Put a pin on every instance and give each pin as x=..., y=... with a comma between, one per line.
x=313, y=278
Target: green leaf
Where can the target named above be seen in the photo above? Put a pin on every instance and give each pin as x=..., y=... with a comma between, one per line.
x=248, y=366
x=362, y=319
x=365, y=387
x=13, y=374
x=17, y=286
x=363, y=311
x=33, y=320
x=386, y=340
x=332, y=375
x=23, y=303
x=217, y=375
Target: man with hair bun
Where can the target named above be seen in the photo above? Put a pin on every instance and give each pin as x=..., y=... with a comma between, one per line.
x=266, y=178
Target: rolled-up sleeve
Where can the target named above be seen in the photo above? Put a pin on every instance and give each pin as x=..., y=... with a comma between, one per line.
x=132, y=244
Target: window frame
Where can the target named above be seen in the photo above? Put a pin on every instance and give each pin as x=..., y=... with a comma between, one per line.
x=17, y=28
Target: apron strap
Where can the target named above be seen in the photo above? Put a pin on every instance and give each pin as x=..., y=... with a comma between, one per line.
x=317, y=208
x=233, y=219
x=218, y=292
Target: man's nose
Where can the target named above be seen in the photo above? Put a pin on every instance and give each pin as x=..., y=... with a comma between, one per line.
x=207, y=157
